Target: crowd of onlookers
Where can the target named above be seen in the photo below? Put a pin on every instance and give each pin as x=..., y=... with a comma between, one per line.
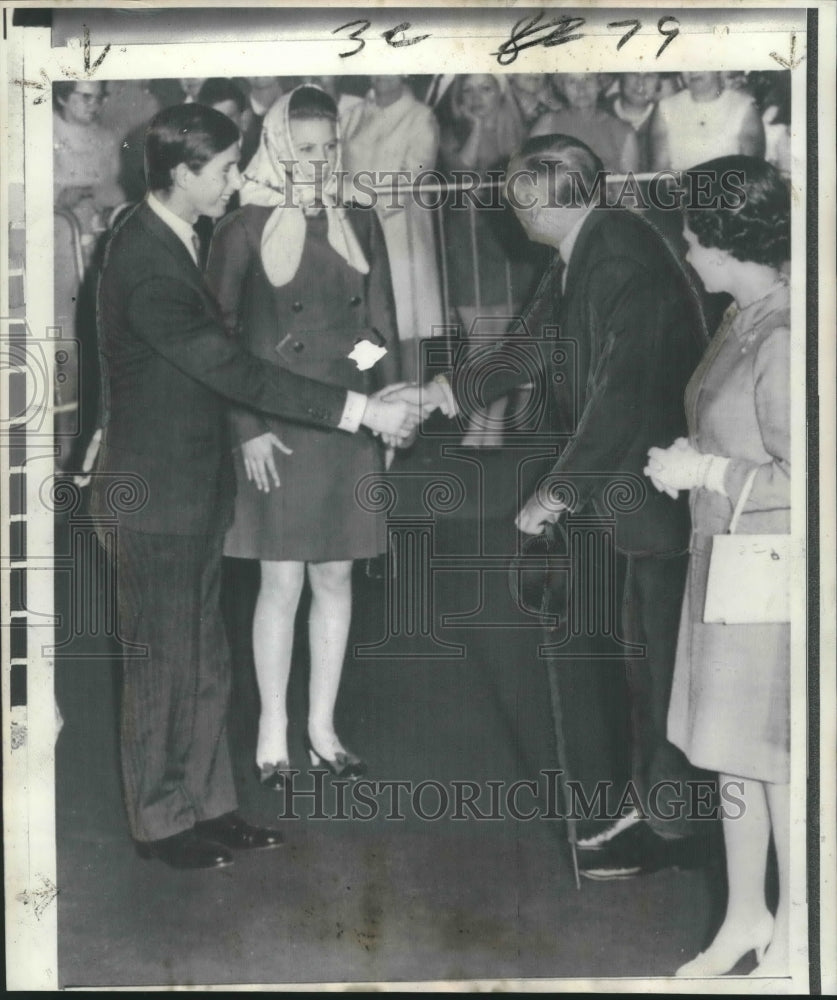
x=447, y=267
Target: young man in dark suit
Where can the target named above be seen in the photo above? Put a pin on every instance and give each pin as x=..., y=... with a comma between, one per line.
x=616, y=291
x=169, y=372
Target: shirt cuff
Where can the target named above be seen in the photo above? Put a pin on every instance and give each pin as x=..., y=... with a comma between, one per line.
x=352, y=412
x=714, y=479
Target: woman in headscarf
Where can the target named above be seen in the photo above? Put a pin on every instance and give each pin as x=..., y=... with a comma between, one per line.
x=302, y=280
x=391, y=130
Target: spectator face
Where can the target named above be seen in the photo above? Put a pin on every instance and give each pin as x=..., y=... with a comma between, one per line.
x=213, y=185
x=82, y=107
x=230, y=109
x=638, y=90
x=704, y=84
x=313, y=140
x=387, y=88
x=191, y=85
x=581, y=90
x=710, y=263
x=735, y=80
x=481, y=95
x=529, y=83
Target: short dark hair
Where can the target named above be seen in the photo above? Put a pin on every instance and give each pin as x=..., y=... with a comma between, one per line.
x=311, y=102
x=565, y=161
x=184, y=133
x=216, y=89
x=752, y=227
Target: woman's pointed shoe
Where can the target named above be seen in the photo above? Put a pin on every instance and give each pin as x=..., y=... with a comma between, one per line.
x=723, y=955
x=344, y=764
x=276, y=776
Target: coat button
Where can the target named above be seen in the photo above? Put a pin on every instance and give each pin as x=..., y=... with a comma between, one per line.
x=297, y=307
x=355, y=300
x=298, y=346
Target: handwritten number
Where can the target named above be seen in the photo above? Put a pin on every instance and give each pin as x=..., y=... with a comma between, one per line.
x=560, y=35
x=629, y=34
x=404, y=26
x=670, y=34
x=361, y=43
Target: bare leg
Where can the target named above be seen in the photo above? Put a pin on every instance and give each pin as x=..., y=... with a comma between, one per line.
x=747, y=924
x=328, y=630
x=273, y=637
x=776, y=960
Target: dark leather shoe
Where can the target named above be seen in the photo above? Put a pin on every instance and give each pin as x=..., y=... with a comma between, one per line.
x=640, y=851
x=234, y=832
x=186, y=850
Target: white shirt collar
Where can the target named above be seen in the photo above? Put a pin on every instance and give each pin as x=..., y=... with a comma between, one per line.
x=259, y=109
x=181, y=228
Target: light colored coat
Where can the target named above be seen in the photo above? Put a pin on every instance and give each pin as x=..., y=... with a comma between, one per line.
x=729, y=707
x=402, y=136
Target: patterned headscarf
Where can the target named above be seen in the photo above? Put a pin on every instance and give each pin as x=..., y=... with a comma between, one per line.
x=266, y=183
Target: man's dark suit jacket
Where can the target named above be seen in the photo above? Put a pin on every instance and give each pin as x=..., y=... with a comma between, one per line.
x=170, y=372
x=637, y=324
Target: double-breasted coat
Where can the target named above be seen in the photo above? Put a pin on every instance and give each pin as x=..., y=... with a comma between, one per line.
x=308, y=326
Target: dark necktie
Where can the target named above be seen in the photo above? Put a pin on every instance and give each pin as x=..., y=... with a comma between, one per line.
x=196, y=243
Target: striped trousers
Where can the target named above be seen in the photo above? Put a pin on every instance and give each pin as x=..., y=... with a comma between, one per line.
x=176, y=766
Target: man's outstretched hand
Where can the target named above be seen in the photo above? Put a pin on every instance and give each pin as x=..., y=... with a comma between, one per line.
x=394, y=420
x=434, y=395
x=538, y=511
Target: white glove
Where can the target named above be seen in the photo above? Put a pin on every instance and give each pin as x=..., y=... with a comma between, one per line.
x=681, y=467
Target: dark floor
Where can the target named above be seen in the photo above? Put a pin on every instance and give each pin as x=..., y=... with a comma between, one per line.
x=377, y=899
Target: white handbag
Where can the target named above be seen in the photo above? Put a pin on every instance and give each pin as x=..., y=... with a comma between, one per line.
x=749, y=578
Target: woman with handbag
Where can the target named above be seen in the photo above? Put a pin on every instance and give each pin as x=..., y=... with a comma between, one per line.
x=304, y=281
x=729, y=709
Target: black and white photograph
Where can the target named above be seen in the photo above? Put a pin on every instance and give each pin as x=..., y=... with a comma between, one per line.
x=418, y=474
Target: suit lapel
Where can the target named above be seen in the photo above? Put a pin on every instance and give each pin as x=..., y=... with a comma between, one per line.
x=187, y=269
x=576, y=265
x=161, y=232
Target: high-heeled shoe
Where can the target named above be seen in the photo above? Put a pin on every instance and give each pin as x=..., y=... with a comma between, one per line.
x=722, y=956
x=774, y=965
x=276, y=776
x=344, y=764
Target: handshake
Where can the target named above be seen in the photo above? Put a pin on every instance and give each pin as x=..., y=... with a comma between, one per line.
x=395, y=411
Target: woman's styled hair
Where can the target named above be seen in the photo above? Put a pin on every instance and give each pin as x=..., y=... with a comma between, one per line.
x=217, y=89
x=311, y=102
x=754, y=223
x=510, y=128
x=185, y=133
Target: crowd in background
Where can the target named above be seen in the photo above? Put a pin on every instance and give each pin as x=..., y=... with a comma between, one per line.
x=447, y=267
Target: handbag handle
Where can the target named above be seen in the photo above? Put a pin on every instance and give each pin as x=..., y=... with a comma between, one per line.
x=742, y=500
